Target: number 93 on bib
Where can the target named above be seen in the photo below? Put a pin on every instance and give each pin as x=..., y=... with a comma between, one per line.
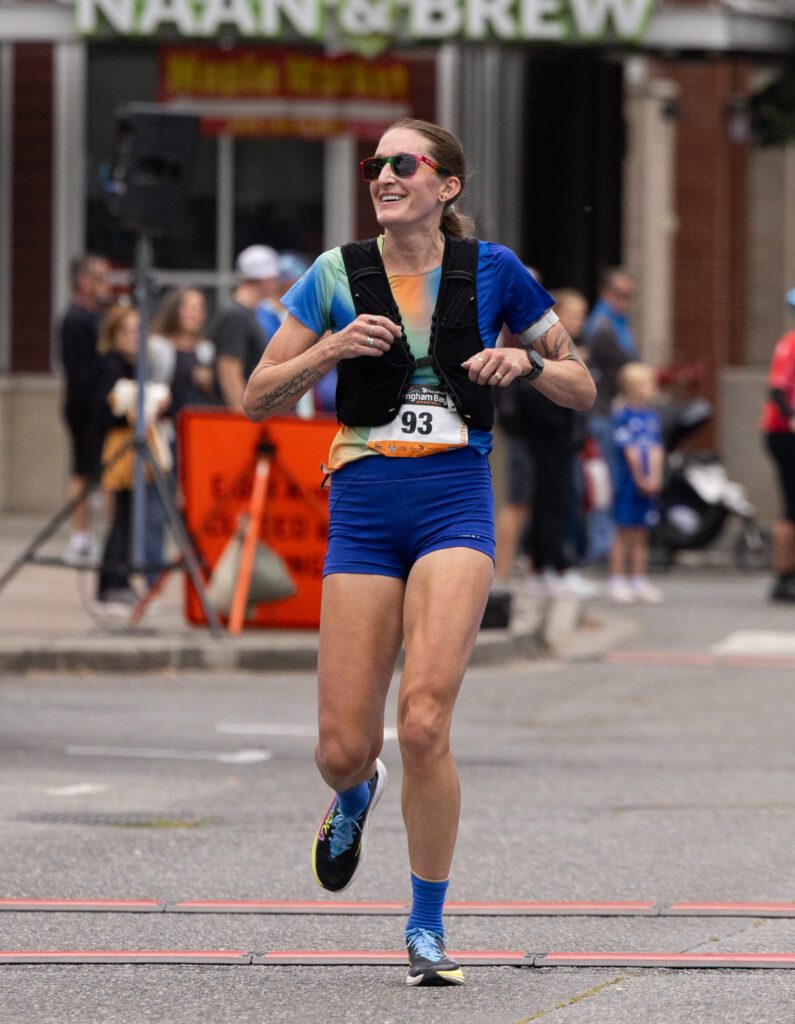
x=426, y=424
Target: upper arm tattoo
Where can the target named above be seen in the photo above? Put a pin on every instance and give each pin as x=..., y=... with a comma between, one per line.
x=557, y=344
x=292, y=388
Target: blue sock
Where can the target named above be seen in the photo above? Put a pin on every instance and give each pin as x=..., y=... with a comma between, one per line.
x=354, y=800
x=427, y=903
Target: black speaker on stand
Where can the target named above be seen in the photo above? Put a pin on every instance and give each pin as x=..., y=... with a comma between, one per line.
x=147, y=192
x=149, y=182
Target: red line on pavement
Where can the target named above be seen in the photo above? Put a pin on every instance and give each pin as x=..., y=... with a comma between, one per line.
x=758, y=661
x=390, y=954
x=728, y=907
x=124, y=952
x=552, y=905
x=318, y=954
x=80, y=903
x=705, y=958
x=319, y=905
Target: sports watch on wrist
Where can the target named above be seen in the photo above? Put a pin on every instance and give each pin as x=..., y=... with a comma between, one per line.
x=536, y=365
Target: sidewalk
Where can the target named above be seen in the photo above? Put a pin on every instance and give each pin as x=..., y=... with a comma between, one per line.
x=47, y=624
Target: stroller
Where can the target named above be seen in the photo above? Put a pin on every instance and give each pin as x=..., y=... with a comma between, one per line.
x=698, y=500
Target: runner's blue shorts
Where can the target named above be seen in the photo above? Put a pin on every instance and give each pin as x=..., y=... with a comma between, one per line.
x=385, y=513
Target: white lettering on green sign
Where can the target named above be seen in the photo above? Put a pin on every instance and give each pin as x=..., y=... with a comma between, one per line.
x=507, y=20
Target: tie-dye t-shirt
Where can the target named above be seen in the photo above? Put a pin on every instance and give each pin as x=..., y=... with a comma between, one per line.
x=507, y=294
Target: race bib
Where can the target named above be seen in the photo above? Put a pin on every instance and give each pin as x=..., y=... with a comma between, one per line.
x=426, y=425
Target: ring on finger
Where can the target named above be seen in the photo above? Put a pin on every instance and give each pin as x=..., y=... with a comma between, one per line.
x=480, y=359
x=370, y=340
x=498, y=375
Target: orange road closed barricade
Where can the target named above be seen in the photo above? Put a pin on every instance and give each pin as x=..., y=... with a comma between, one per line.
x=219, y=455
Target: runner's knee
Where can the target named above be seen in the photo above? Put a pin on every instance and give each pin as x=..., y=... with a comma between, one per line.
x=423, y=727
x=344, y=757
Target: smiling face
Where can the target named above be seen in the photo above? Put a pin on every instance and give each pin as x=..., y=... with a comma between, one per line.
x=414, y=202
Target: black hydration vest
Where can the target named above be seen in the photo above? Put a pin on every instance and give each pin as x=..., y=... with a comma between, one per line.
x=369, y=390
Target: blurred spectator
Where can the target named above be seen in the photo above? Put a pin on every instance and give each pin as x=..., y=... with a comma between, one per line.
x=77, y=334
x=640, y=455
x=115, y=411
x=118, y=346
x=542, y=441
x=610, y=345
x=181, y=358
x=778, y=427
x=236, y=332
x=179, y=354
x=271, y=313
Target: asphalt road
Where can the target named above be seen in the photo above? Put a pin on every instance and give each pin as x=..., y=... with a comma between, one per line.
x=661, y=772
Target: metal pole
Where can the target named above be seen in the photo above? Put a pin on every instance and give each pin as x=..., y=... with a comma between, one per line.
x=143, y=264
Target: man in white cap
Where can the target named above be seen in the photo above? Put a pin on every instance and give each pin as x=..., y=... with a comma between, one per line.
x=235, y=330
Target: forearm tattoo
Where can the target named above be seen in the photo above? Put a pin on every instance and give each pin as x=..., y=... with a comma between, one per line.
x=557, y=344
x=292, y=388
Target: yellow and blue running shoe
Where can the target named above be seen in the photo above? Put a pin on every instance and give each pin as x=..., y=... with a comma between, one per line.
x=428, y=962
x=338, y=849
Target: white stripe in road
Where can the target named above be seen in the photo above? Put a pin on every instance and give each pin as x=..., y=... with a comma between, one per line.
x=226, y=757
x=268, y=729
x=79, y=789
x=755, y=641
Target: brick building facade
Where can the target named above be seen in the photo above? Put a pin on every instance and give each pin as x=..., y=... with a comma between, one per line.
x=694, y=306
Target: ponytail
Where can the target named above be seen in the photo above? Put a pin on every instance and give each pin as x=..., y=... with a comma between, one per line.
x=459, y=225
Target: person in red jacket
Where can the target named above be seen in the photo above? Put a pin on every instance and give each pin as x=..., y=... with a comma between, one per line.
x=778, y=427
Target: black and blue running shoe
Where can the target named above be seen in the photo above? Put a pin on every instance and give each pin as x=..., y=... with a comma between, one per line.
x=428, y=962
x=338, y=849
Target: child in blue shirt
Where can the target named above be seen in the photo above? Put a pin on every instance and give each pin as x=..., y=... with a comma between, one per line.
x=638, y=439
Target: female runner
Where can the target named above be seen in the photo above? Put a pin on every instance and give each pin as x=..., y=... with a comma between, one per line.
x=411, y=539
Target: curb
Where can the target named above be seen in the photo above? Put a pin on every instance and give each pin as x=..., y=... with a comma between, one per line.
x=533, y=636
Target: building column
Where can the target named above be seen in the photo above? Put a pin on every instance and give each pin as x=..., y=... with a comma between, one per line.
x=69, y=160
x=771, y=247
x=340, y=187
x=490, y=124
x=649, y=217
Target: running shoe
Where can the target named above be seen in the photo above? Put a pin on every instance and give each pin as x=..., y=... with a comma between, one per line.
x=620, y=591
x=338, y=849
x=428, y=962
x=646, y=592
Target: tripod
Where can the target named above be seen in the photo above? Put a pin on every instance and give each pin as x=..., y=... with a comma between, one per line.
x=144, y=461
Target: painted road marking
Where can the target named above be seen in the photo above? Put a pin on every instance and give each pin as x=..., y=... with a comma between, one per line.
x=713, y=909
x=125, y=956
x=288, y=907
x=756, y=641
x=79, y=789
x=671, y=659
x=275, y=729
x=461, y=908
x=681, y=960
x=339, y=957
x=331, y=957
x=225, y=757
x=118, y=906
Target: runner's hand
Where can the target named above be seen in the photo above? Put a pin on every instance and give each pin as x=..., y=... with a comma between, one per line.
x=365, y=336
x=497, y=367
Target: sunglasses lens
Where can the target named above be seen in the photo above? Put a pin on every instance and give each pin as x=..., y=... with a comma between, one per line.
x=405, y=165
x=372, y=167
